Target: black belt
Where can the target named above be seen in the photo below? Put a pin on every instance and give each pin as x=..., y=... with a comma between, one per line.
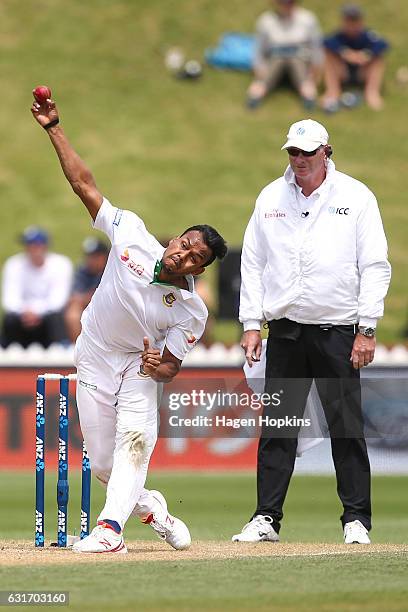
x=285, y=328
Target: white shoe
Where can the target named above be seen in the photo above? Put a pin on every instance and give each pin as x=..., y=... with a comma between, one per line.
x=169, y=528
x=355, y=533
x=259, y=529
x=102, y=539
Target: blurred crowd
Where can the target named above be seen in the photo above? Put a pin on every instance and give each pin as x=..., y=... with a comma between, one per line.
x=42, y=295
x=290, y=45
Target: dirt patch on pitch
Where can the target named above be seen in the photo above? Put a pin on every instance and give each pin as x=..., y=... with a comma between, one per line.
x=14, y=553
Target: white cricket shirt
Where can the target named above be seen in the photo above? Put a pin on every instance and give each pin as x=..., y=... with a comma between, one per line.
x=129, y=304
x=327, y=266
x=40, y=289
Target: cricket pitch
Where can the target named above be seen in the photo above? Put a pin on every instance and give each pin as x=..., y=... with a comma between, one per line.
x=23, y=552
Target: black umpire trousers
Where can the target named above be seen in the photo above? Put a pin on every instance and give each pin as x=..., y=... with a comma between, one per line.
x=302, y=353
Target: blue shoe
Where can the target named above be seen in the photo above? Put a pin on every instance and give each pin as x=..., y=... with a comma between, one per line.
x=331, y=106
x=350, y=99
x=309, y=103
x=253, y=103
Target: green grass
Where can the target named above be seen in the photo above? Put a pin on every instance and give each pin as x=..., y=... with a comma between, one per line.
x=336, y=584
x=215, y=506
x=176, y=152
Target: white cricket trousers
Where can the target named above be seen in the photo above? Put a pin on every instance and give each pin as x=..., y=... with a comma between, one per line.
x=117, y=409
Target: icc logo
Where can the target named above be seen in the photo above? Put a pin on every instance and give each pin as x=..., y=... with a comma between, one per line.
x=338, y=211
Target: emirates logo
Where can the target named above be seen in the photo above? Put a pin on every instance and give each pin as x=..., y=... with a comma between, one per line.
x=132, y=265
x=125, y=255
x=275, y=214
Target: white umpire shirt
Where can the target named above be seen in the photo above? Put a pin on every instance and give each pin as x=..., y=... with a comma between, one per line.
x=130, y=302
x=315, y=260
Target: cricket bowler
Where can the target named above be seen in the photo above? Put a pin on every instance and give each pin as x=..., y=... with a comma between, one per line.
x=142, y=321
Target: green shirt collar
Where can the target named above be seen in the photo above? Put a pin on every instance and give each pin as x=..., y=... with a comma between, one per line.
x=157, y=269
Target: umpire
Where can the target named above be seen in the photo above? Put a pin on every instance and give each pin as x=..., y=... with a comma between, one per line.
x=314, y=267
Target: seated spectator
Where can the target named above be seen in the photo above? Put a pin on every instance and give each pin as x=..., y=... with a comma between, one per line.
x=36, y=285
x=87, y=278
x=353, y=56
x=288, y=43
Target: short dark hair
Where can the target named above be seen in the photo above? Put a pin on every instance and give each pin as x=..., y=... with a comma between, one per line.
x=212, y=239
x=353, y=12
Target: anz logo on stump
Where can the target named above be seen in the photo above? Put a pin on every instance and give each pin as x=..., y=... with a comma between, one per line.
x=338, y=211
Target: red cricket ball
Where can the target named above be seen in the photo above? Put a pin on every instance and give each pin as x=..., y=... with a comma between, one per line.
x=41, y=93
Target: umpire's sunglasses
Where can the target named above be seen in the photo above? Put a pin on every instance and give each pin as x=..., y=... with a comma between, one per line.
x=295, y=152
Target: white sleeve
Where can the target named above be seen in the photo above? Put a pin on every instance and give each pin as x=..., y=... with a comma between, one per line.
x=183, y=337
x=119, y=224
x=12, y=287
x=108, y=218
x=62, y=282
x=373, y=265
x=253, y=261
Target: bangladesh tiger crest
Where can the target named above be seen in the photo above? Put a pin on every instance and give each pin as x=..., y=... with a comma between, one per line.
x=169, y=299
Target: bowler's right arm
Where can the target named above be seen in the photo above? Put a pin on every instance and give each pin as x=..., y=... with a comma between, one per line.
x=78, y=175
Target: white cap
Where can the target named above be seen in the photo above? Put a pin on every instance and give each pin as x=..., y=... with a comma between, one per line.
x=307, y=135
